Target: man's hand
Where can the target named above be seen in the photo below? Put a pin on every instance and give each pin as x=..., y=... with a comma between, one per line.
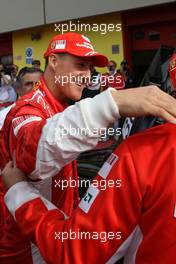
x=11, y=175
x=148, y=100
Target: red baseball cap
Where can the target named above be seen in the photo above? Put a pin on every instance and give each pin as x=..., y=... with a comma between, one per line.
x=172, y=70
x=77, y=45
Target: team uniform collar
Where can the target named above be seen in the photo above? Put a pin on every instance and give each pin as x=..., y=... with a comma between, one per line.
x=54, y=103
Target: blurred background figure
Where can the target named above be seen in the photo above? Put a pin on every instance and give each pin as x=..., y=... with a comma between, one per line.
x=112, y=78
x=7, y=91
x=127, y=74
x=172, y=71
x=8, y=72
x=36, y=64
x=14, y=72
x=26, y=79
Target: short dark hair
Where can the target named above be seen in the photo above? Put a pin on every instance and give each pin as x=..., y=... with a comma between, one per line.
x=26, y=70
x=61, y=55
x=113, y=62
x=37, y=62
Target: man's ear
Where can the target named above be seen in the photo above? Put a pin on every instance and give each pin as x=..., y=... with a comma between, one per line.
x=52, y=61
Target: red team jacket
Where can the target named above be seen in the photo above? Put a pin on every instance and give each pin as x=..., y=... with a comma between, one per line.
x=135, y=214
x=19, y=139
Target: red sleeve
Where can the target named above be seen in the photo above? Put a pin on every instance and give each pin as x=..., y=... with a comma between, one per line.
x=25, y=133
x=109, y=216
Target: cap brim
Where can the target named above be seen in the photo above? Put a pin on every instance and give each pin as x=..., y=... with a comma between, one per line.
x=99, y=60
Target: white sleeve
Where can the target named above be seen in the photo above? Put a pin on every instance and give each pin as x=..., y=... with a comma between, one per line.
x=75, y=130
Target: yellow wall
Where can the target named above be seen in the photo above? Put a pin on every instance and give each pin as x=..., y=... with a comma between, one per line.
x=102, y=42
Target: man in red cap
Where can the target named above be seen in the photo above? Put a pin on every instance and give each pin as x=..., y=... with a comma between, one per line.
x=38, y=131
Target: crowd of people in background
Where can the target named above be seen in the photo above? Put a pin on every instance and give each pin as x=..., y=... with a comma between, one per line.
x=113, y=77
x=10, y=79
x=15, y=84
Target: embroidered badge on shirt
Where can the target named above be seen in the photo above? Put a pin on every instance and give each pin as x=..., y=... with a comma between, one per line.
x=104, y=171
x=89, y=198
